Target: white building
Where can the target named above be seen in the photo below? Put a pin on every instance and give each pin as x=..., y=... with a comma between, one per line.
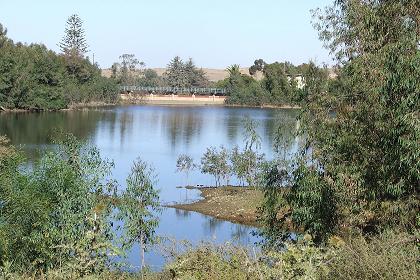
x=299, y=79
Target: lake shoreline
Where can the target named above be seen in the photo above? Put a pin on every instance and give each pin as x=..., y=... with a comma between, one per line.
x=193, y=101
x=233, y=204
x=72, y=107
x=168, y=102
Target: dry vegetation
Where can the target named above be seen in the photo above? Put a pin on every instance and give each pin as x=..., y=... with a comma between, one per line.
x=388, y=256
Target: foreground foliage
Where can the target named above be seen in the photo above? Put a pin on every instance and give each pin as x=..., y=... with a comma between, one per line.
x=53, y=214
x=359, y=166
x=58, y=212
x=138, y=208
x=389, y=256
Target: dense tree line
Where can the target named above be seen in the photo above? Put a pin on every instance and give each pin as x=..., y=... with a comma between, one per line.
x=131, y=71
x=36, y=78
x=281, y=83
x=128, y=71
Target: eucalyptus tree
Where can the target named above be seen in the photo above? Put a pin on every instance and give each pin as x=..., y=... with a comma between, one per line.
x=215, y=162
x=185, y=164
x=150, y=79
x=3, y=36
x=55, y=214
x=250, y=135
x=258, y=66
x=239, y=165
x=115, y=67
x=128, y=70
x=251, y=154
x=359, y=165
x=277, y=83
x=139, y=207
x=316, y=81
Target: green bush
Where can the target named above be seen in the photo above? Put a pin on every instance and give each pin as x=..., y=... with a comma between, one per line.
x=53, y=214
x=358, y=164
x=228, y=261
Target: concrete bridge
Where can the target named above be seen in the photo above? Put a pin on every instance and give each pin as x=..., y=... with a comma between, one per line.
x=175, y=90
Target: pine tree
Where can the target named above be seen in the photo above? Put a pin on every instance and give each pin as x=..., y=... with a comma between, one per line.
x=74, y=41
x=195, y=77
x=175, y=73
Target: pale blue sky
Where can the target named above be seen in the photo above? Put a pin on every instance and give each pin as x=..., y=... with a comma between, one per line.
x=215, y=33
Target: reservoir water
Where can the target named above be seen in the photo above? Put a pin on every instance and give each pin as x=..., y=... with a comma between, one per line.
x=158, y=134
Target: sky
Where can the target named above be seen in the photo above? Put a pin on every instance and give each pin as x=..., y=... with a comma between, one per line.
x=214, y=33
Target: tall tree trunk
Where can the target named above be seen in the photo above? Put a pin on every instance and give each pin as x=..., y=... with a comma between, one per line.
x=142, y=252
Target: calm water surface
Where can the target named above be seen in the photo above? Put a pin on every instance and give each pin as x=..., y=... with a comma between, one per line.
x=158, y=134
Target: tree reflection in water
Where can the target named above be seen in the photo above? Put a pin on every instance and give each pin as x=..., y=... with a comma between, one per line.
x=182, y=126
x=182, y=213
x=211, y=224
x=241, y=233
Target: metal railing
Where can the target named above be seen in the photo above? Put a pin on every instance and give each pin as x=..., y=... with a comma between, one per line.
x=170, y=90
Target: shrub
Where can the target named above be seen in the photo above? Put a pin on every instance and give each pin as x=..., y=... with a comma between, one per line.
x=388, y=256
x=54, y=214
x=228, y=261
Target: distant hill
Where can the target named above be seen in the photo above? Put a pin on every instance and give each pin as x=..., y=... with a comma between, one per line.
x=212, y=74
x=215, y=75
